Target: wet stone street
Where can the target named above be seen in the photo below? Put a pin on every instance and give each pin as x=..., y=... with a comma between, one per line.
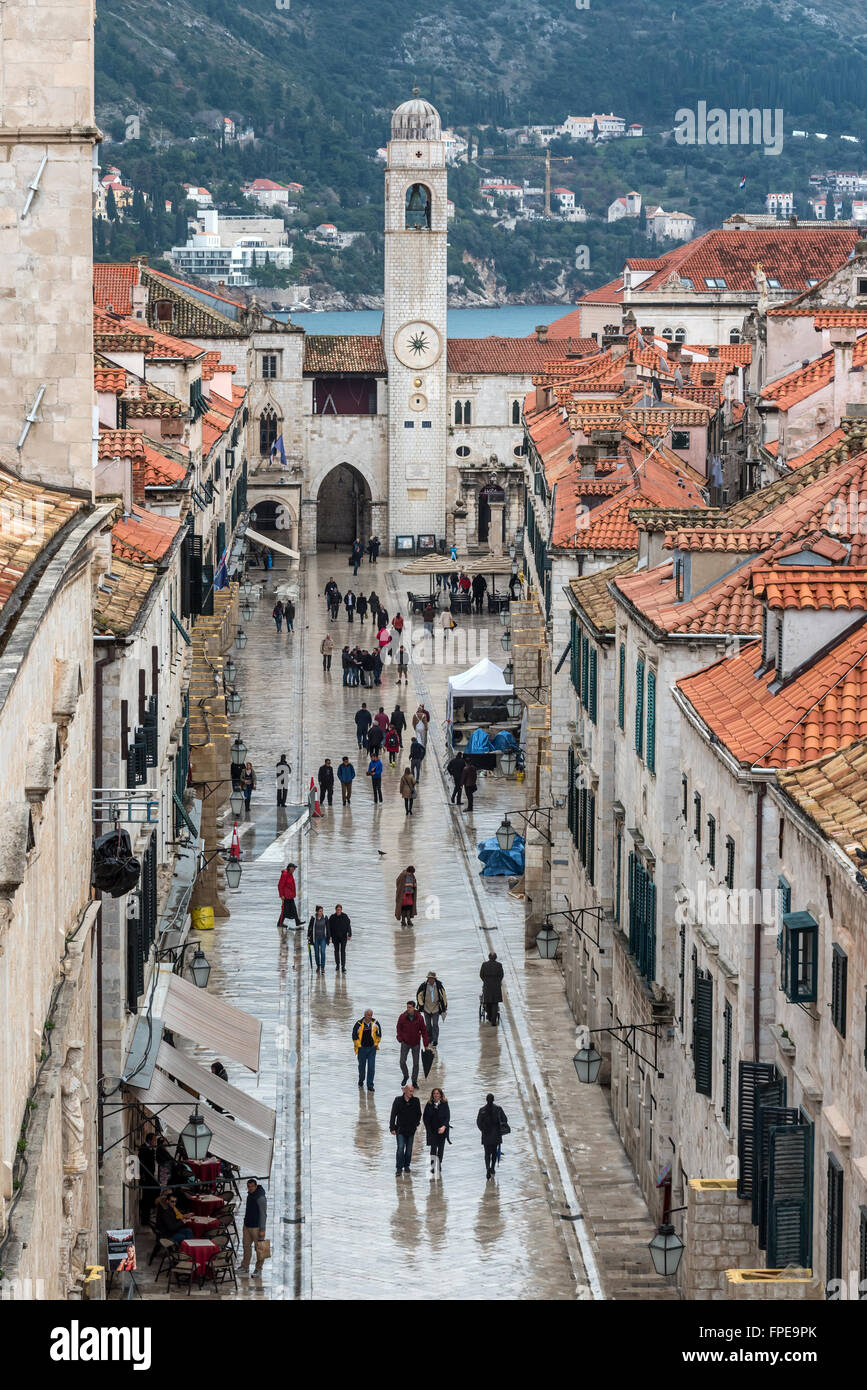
x=564, y=1218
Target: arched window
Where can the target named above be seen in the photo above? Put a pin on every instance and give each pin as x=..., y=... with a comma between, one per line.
x=667, y=334
x=418, y=207
x=516, y=412
x=735, y=335
x=459, y=413
x=468, y=414
x=680, y=335
x=267, y=430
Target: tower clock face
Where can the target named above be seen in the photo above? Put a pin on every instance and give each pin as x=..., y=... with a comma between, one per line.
x=417, y=344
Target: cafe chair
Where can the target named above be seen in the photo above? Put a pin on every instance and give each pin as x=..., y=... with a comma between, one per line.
x=183, y=1270
x=220, y=1268
x=168, y=1253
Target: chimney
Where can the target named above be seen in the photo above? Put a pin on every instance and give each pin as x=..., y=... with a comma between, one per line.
x=713, y=353
x=707, y=378
x=544, y=397
x=542, y=332
x=842, y=341
x=630, y=374
x=674, y=350
x=648, y=330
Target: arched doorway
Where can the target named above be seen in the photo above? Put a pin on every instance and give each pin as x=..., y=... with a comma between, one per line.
x=487, y=495
x=344, y=507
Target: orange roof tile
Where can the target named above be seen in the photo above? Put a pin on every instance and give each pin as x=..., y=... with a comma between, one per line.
x=112, y=285
x=798, y=460
x=796, y=386
x=120, y=444
x=833, y=793
x=161, y=471
x=163, y=345
x=512, y=356
x=731, y=540
x=144, y=535
x=120, y=596
x=32, y=516
x=110, y=379
x=819, y=712
x=344, y=354
x=812, y=586
x=793, y=255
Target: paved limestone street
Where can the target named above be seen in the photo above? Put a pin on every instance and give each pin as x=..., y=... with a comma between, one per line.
x=341, y=1224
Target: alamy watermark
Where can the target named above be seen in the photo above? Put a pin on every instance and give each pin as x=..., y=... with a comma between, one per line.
x=738, y=126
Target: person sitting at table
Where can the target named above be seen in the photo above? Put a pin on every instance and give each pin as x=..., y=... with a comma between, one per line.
x=170, y=1222
x=182, y=1174
x=464, y=584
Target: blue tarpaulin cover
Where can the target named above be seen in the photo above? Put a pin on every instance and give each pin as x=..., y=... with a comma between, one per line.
x=479, y=742
x=497, y=861
x=505, y=742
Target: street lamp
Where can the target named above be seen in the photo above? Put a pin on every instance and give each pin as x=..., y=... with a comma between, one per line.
x=200, y=968
x=236, y=802
x=246, y=611
x=547, y=941
x=513, y=707
x=512, y=551
x=506, y=640
x=666, y=1250
x=248, y=588
x=233, y=872
x=196, y=1137
x=239, y=750
x=509, y=673
x=233, y=702
x=505, y=835
x=230, y=671
x=587, y=1063
x=508, y=763
x=504, y=615
x=240, y=639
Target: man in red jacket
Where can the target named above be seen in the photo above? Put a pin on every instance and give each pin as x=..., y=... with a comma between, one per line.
x=411, y=1033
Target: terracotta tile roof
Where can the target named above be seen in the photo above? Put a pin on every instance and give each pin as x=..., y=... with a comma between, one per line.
x=593, y=596
x=344, y=353
x=841, y=318
x=111, y=379
x=812, y=586
x=120, y=596
x=158, y=276
x=792, y=255
x=120, y=444
x=512, y=356
x=144, y=536
x=727, y=607
x=163, y=345
x=804, y=381
x=815, y=451
x=609, y=527
x=643, y=263
x=833, y=793
x=717, y=538
x=737, y=354
x=32, y=516
x=161, y=471
x=820, y=544
x=142, y=400
x=112, y=285
x=612, y=293
x=772, y=447
x=818, y=713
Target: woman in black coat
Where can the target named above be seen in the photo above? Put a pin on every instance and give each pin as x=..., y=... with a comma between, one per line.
x=436, y=1125
x=492, y=1122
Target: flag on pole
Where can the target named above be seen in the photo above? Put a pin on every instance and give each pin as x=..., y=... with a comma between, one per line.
x=743, y=182
x=277, y=448
x=221, y=578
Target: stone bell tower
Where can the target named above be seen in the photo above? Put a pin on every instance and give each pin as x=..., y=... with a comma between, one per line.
x=414, y=321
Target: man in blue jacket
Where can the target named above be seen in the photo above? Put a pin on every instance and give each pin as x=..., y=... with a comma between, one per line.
x=346, y=776
x=374, y=772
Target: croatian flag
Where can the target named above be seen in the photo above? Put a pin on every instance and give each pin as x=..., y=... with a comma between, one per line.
x=743, y=182
x=277, y=448
x=221, y=578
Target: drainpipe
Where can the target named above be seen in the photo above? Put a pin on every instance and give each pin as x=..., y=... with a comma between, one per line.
x=757, y=926
x=98, y=667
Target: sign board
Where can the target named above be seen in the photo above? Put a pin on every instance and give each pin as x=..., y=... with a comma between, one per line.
x=120, y=1250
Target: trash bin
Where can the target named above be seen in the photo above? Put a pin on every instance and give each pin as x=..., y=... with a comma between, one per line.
x=203, y=918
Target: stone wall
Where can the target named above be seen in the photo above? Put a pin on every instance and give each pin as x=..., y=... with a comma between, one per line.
x=718, y=1237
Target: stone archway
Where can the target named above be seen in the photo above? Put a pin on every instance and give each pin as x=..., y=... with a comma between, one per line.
x=274, y=515
x=344, y=507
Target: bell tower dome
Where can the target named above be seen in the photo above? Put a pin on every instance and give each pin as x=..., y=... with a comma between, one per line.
x=414, y=320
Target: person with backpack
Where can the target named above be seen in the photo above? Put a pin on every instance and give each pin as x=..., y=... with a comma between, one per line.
x=392, y=744
x=431, y=999
x=398, y=722
x=493, y=1124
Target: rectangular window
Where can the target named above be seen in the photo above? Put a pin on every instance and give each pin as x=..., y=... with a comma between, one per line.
x=779, y=660
x=570, y=791
x=678, y=578
x=800, y=957
x=585, y=671
x=702, y=1030
x=730, y=862
x=619, y=870
x=642, y=917
x=727, y=1065
x=834, y=1226
x=680, y=439
x=684, y=794
x=696, y=822
x=269, y=366
x=682, y=975
x=711, y=841
x=409, y=424
x=427, y=424
x=639, y=708
x=839, y=980
x=621, y=687
x=592, y=684
x=862, y=1256
x=651, y=721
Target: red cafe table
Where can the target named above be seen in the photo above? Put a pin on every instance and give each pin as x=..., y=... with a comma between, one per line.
x=201, y=1252
x=202, y=1224
x=203, y=1204
x=206, y=1169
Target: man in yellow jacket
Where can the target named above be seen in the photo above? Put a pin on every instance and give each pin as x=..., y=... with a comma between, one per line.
x=366, y=1036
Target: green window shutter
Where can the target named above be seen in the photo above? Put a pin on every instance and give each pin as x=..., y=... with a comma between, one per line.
x=702, y=1033
x=730, y=862
x=790, y=1196
x=770, y=1104
x=570, y=791
x=621, y=687
x=591, y=708
x=651, y=721
x=711, y=840
x=750, y=1076
x=617, y=895
x=834, y=1228
x=799, y=947
x=582, y=825
x=727, y=1065
x=134, y=964
x=650, y=930
x=573, y=651
x=862, y=1256
x=591, y=836
x=839, y=985
x=585, y=672
x=771, y=1117
x=684, y=794
x=696, y=825
x=639, y=707
x=682, y=975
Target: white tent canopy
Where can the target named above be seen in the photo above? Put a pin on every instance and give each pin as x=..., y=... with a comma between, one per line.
x=482, y=679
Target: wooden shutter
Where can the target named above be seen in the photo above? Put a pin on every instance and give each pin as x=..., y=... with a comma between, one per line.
x=702, y=1034
x=591, y=708
x=834, y=1225
x=839, y=984
x=682, y=976
x=727, y=1065
x=639, y=707
x=750, y=1074
x=585, y=672
x=570, y=793
x=770, y=1095
x=650, y=929
x=621, y=688
x=618, y=876
x=770, y=1116
x=790, y=1196
x=711, y=840
x=651, y=721
x=207, y=599
x=862, y=1256
x=591, y=836
x=134, y=964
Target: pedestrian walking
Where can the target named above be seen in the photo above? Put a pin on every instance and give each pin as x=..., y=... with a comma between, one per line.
x=377, y=663
x=361, y=607
x=363, y=721
x=345, y=776
x=431, y=999
x=375, y=739
x=255, y=1221
x=491, y=976
x=281, y=778
x=480, y=588
x=373, y=604
x=329, y=590
x=318, y=937
x=325, y=778
x=289, y=615
x=416, y=758
x=383, y=636
x=455, y=769
x=398, y=625
x=406, y=896
x=349, y=605
x=435, y=1119
x=493, y=1124
x=248, y=783
x=367, y=669
x=398, y=722
x=277, y=615
x=356, y=556
x=428, y=614
x=411, y=1033
x=453, y=554
x=419, y=729
x=374, y=772
x=340, y=931
x=381, y=719
x=407, y=790
x=404, y=1121
x=326, y=646
x=392, y=745
x=375, y=546
x=288, y=891
x=334, y=607
x=447, y=622
x=366, y=1036
x=346, y=664
x=402, y=665
x=235, y=770
x=470, y=782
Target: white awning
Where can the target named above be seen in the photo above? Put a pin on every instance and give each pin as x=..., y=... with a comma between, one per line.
x=191, y=1073
x=211, y=1022
x=272, y=544
x=233, y=1142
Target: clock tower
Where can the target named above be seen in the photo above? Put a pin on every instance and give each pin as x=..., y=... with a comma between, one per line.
x=414, y=321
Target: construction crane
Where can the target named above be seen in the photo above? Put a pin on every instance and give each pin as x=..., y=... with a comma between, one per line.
x=549, y=160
